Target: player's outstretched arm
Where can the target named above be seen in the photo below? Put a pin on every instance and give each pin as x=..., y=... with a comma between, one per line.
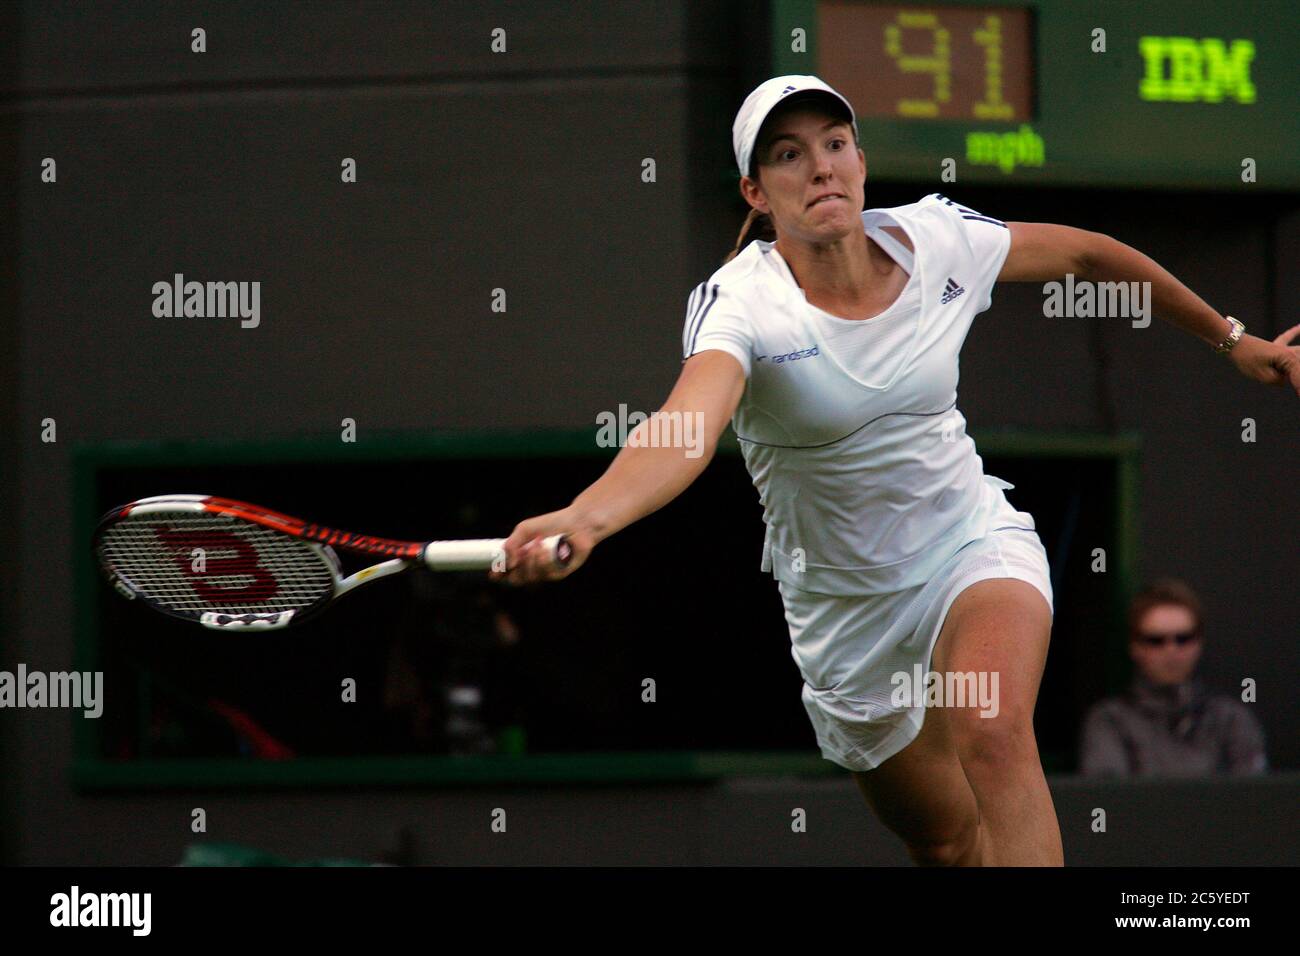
x=1044, y=252
x=661, y=458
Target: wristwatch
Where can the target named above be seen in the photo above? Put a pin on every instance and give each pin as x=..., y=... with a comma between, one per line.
x=1233, y=337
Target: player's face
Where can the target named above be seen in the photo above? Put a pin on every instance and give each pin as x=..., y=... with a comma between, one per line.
x=812, y=155
x=1168, y=662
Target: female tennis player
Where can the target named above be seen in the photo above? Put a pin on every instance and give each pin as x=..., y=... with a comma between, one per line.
x=832, y=349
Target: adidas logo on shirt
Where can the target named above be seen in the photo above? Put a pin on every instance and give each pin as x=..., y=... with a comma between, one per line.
x=951, y=291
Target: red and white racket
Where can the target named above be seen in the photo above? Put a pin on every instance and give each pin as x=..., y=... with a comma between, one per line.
x=229, y=564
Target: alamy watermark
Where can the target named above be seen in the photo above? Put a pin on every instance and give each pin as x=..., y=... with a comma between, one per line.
x=1085, y=299
x=658, y=430
x=949, y=689
x=25, y=688
x=208, y=300
x=76, y=908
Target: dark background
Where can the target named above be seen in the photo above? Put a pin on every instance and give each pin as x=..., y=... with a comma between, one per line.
x=671, y=599
x=518, y=171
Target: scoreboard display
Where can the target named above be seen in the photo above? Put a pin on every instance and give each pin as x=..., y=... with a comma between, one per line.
x=1140, y=93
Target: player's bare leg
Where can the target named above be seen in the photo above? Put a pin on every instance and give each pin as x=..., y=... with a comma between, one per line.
x=1003, y=625
x=921, y=794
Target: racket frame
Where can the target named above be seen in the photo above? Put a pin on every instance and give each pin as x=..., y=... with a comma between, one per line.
x=400, y=556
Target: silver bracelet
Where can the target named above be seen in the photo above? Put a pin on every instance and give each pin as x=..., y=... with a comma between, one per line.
x=1233, y=337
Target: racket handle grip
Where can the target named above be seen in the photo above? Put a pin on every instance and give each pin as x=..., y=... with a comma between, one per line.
x=559, y=548
x=486, y=554
x=556, y=547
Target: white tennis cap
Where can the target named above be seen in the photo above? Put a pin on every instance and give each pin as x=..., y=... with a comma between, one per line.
x=744, y=131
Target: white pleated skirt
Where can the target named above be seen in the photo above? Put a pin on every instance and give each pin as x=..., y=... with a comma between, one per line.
x=849, y=648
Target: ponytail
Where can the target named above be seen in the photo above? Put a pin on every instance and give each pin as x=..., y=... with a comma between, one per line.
x=758, y=225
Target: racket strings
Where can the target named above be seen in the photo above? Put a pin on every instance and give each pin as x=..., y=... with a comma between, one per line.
x=196, y=563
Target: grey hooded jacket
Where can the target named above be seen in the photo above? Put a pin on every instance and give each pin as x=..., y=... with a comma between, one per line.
x=1175, y=731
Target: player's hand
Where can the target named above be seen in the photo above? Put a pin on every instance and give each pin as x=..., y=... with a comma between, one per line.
x=526, y=558
x=1273, y=363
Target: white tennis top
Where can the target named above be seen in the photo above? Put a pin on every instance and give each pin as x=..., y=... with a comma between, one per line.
x=850, y=429
x=859, y=344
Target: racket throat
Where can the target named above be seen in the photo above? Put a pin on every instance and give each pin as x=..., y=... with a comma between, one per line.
x=382, y=570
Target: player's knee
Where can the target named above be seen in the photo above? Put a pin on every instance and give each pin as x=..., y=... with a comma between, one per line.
x=956, y=847
x=995, y=744
x=947, y=838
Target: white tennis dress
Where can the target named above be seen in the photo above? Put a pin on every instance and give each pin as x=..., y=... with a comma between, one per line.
x=877, y=508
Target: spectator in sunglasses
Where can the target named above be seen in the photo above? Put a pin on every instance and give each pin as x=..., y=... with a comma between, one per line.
x=1167, y=724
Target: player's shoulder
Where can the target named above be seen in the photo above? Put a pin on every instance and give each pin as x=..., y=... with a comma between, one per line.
x=927, y=206
x=928, y=214
x=943, y=205
x=949, y=224
x=933, y=205
x=735, y=281
x=739, y=272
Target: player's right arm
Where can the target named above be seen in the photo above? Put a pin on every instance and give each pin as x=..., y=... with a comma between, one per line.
x=642, y=478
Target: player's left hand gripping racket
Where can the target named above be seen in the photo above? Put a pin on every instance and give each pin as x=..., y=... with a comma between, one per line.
x=229, y=564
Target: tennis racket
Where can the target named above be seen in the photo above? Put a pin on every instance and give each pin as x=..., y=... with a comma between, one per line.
x=230, y=565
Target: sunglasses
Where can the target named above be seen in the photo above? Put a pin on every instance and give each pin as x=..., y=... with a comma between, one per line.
x=1151, y=639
